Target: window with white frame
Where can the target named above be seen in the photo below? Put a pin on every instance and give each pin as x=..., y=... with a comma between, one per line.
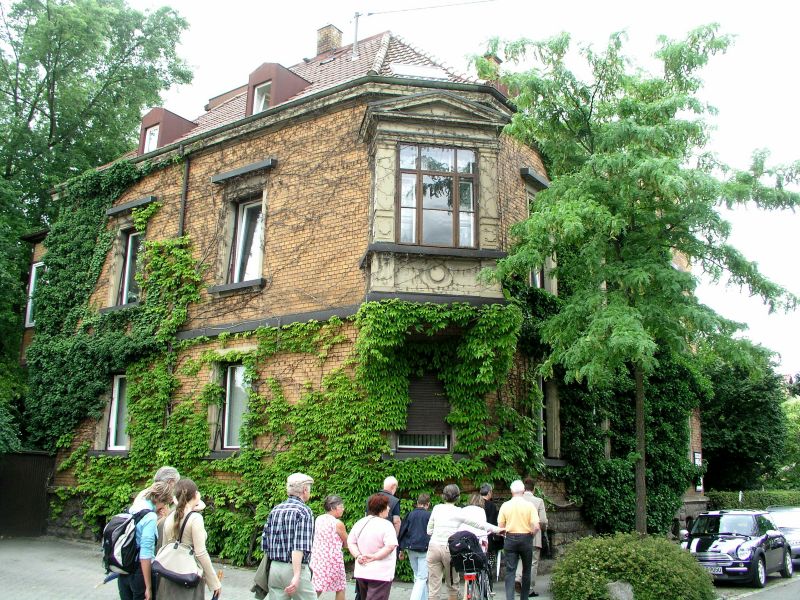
x=128, y=290
x=118, y=416
x=236, y=392
x=247, y=244
x=437, y=203
x=151, y=138
x=30, y=311
x=261, y=97
x=427, y=429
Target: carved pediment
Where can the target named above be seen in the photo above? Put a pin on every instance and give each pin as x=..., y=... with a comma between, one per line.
x=432, y=109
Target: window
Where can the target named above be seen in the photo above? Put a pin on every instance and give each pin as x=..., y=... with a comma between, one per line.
x=151, y=138
x=236, y=392
x=261, y=97
x=128, y=290
x=30, y=313
x=437, y=204
x=426, y=425
x=118, y=416
x=248, y=236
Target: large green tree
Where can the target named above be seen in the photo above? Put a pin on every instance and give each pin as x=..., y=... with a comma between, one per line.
x=75, y=78
x=744, y=425
x=633, y=193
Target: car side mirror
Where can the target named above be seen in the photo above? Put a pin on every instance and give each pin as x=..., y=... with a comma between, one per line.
x=773, y=533
x=683, y=535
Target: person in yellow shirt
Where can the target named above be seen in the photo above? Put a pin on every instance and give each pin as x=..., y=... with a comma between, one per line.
x=521, y=521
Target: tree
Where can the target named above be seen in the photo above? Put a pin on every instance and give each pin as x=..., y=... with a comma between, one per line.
x=789, y=474
x=743, y=422
x=75, y=77
x=632, y=190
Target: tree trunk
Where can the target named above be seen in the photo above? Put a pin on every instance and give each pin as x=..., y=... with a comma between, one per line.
x=641, y=484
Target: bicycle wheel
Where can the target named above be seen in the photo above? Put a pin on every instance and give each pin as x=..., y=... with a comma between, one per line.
x=484, y=586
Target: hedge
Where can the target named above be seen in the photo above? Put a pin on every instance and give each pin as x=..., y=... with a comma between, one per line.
x=753, y=499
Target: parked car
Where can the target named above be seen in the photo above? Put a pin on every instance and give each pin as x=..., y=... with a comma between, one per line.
x=739, y=545
x=787, y=518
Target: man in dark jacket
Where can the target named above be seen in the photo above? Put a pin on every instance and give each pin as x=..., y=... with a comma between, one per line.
x=414, y=540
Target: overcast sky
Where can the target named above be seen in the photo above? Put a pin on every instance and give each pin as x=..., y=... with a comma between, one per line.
x=755, y=85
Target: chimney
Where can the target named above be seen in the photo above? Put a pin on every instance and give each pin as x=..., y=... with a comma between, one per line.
x=494, y=82
x=328, y=38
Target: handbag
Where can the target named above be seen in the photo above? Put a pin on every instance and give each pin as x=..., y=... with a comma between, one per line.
x=176, y=562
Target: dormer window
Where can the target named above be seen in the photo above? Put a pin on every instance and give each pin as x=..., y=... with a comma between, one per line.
x=151, y=138
x=261, y=97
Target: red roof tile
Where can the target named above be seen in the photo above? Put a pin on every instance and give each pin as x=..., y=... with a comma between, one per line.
x=381, y=54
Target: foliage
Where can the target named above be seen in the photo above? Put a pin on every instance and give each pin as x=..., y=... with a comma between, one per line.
x=335, y=432
x=655, y=567
x=752, y=499
x=605, y=485
x=76, y=350
x=75, y=77
x=789, y=474
x=743, y=423
x=632, y=188
x=794, y=385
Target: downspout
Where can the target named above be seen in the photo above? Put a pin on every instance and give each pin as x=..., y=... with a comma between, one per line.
x=184, y=193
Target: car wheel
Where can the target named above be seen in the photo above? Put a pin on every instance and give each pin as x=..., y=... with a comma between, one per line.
x=760, y=573
x=788, y=566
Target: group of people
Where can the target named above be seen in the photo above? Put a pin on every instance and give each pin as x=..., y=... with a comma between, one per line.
x=171, y=502
x=306, y=556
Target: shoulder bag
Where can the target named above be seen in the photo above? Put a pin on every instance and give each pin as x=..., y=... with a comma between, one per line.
x=176, y=562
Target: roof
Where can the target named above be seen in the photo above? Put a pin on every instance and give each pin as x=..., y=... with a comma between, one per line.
x=383, y=54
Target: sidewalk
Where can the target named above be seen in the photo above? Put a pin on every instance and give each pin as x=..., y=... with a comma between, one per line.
x=46, y=567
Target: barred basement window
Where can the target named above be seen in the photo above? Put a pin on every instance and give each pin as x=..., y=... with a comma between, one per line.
x=426, y=426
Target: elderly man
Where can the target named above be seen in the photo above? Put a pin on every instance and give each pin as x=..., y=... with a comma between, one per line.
x=389, y=490
x=287, y=538
x=521, y=522
x=538, y=504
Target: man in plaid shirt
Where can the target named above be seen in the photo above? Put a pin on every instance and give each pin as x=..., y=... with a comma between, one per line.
x=287, y=538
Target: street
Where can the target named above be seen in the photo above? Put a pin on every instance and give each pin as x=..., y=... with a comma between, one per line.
x=48, y=567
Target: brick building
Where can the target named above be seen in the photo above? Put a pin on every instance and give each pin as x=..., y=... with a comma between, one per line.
x=360, y=174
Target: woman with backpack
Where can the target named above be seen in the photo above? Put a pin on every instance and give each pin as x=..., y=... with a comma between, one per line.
x=445, y=520
x=138, y=585
x=186, y=518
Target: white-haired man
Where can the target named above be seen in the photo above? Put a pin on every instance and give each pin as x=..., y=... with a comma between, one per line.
x=389, y=490
x=521, y=522
x=287, y=538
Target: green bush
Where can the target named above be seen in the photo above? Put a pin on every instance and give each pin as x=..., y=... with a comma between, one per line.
x=753, y=499
x=656, y=568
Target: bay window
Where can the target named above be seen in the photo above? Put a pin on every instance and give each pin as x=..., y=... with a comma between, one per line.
x=437, y=196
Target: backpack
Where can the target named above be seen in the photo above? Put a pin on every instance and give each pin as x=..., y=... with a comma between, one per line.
x=466, y=554
x=120, y=552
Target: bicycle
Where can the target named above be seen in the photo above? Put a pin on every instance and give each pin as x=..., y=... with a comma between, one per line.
x=476, y=579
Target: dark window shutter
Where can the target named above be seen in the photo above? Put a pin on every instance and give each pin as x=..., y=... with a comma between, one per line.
x=428, y=408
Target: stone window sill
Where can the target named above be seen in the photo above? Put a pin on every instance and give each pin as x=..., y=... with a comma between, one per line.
x=251, y=285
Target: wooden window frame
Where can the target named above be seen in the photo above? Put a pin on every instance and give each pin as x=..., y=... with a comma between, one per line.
x=112, y=443
x=240, y=210
x=457, y=177
x=151, y=141
x=225, y=420
x=126, y=275
x=261, y=86
x=30, y=316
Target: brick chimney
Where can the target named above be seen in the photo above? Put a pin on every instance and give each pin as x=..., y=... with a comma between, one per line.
x=328, y=38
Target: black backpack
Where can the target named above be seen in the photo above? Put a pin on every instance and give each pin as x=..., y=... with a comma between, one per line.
x=120, y=552
x=466, y=554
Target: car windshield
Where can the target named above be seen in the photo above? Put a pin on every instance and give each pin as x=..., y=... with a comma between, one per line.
x=789, y=519
x=716, y=524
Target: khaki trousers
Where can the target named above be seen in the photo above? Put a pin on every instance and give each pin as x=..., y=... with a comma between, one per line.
x=439, y=566
x=280, y=575
x=534, y=566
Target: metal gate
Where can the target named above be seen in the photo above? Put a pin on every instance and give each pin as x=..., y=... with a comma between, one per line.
x=23, y=492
